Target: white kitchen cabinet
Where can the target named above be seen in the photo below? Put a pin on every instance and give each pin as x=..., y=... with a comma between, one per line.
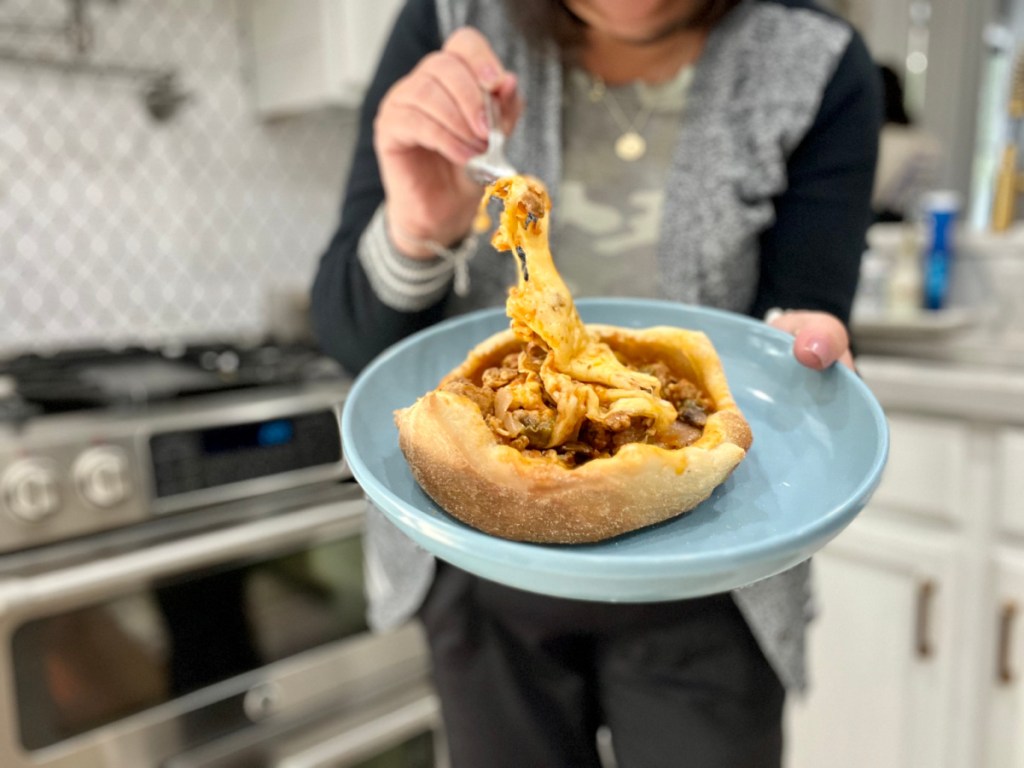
x=917, y=657
x=311, y=54
x=1004, y=679
x=1011, y=506
x=924, y=475
x=880, y=653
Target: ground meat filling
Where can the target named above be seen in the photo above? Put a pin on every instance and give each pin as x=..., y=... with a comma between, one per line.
x=529, y=430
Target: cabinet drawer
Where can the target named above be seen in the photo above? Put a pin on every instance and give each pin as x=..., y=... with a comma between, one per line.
x=926, y=468
x=1011, y=481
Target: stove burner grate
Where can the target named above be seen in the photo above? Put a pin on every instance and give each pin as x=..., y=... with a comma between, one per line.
x=96, y=378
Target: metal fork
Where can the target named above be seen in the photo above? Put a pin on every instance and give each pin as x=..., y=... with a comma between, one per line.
x=491, y=164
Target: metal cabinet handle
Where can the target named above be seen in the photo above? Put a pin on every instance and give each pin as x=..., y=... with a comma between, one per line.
x=922, y=626
x=1004, y=667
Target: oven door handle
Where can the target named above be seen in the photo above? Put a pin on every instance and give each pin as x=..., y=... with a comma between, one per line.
x=347, y=739
x=369, y=739
x=105, y=576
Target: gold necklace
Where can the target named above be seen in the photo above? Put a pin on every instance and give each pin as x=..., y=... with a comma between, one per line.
x=631, y=145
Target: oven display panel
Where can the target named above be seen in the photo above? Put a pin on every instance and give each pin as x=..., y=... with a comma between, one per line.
x=94, y=665
x=193, y=460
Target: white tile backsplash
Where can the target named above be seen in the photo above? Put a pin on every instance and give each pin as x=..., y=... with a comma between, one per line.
x=120, y=229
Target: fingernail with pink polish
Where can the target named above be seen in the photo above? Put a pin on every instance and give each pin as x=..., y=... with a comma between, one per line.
x=819, y=351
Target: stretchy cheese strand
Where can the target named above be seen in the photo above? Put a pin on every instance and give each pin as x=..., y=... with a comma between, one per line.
x=580, y=374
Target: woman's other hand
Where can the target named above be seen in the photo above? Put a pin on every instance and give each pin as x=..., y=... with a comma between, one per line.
x=428, y=125
x=820, y=338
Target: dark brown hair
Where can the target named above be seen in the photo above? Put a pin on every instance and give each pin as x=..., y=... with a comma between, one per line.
x=540, y=20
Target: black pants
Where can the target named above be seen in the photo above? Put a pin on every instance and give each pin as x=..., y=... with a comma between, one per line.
x=525, y=680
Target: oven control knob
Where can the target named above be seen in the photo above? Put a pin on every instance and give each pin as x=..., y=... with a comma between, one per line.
x=30, y=491
x=101, y=476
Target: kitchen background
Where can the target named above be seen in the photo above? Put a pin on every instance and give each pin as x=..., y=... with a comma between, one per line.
x=116, y=226
x=170, y=171
x=120, y=225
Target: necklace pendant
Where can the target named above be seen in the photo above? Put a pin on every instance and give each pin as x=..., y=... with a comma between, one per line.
x=630, y=146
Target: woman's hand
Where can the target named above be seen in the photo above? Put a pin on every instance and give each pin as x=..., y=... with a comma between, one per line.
x=428, y=125
x=821, y=339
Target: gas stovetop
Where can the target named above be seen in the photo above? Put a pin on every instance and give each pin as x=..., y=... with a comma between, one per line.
x=92, y=439
x=79, y=379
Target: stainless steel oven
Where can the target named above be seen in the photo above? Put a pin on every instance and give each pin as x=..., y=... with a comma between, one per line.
x=240, y=643
x=181, y=582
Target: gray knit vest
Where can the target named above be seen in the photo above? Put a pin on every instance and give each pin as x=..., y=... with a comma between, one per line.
x=755, y=93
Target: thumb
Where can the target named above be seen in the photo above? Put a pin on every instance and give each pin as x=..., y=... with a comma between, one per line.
x=818, y=348
x=820, y=338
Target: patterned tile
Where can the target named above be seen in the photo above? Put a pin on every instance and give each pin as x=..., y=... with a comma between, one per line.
x=117, y=228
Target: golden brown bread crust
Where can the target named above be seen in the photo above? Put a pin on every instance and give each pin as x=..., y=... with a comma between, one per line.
x=461, y=464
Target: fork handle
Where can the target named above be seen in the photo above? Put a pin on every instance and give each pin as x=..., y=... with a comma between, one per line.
x=491, y=112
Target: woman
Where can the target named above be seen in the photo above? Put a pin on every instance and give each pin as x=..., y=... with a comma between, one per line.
x=718, y=152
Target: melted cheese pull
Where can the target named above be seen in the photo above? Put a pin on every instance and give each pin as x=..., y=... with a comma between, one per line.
x=580, y=374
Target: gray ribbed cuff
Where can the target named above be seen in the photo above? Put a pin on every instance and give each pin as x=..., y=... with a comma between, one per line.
x=405, y=284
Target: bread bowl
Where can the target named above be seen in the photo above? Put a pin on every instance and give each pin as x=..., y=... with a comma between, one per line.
x=556, y=431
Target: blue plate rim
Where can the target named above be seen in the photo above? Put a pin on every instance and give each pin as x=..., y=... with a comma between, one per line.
x=833, y=520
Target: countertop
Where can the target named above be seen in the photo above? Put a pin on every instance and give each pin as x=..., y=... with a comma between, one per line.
x=980, y=392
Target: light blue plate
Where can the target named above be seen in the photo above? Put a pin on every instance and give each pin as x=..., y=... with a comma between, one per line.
x=820, y=442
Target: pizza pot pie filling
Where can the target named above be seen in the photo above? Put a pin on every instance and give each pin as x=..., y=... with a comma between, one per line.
x=556, y=431
x=565, y=394
x=521, y=414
